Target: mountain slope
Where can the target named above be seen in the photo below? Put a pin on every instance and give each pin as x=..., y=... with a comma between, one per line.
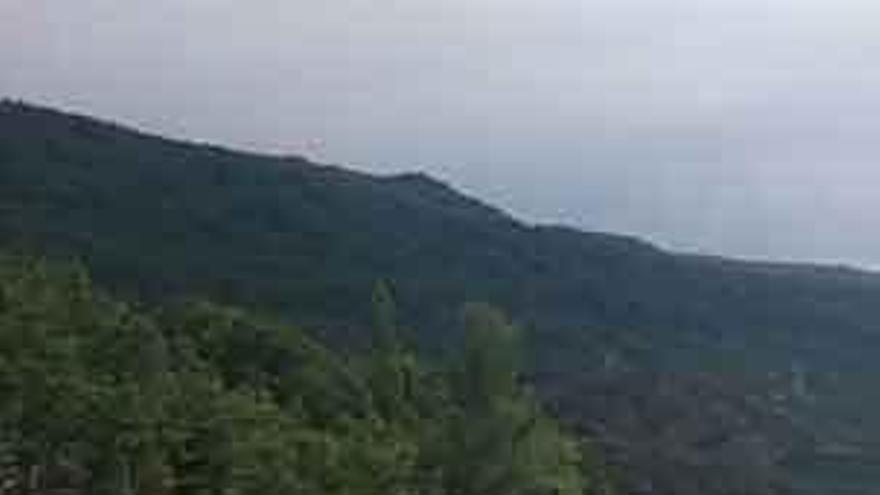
x=311, y=240
x=163, y=218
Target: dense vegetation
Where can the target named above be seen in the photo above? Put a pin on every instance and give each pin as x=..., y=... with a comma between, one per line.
x=100, y=397
x=708, y=376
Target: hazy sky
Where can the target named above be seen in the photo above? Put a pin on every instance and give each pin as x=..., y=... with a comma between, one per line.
x=741, y=127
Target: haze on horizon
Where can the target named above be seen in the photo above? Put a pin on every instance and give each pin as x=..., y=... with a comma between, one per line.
x=736, y=127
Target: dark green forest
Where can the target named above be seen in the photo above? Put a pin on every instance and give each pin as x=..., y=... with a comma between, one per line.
x=690, y=375
x=103, y=397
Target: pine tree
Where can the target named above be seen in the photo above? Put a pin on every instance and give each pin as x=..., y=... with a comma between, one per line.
x=500, y=443
x=391, y=371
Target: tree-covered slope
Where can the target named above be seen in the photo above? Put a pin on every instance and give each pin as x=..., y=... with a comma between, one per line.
x=161, y=218
x=102, y=397
x=169, y=217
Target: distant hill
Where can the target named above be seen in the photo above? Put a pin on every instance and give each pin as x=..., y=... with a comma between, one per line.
x=785, y=351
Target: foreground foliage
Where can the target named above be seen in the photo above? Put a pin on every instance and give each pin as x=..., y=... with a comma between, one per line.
x=101, y=397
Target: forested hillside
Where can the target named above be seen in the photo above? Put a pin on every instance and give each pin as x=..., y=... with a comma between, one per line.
x=100, y=397
x=698, y=374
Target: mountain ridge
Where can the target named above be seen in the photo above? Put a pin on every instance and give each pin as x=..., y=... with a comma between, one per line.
x=426, y=179
x=168, y=218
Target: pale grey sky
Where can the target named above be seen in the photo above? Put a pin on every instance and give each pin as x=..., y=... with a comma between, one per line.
x=738, y=127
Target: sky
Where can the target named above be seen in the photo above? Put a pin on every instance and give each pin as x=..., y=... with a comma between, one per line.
x=746, y=128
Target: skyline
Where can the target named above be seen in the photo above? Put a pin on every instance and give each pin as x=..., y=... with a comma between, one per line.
x=736, y=128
